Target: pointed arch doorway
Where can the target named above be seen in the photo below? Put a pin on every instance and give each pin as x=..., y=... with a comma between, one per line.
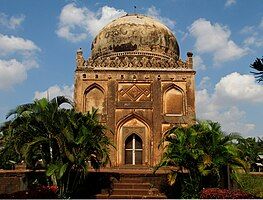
x=133, y=142
x=133, y=150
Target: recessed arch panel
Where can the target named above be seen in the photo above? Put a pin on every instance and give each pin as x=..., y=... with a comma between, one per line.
x=173, y=101
x=94, y=97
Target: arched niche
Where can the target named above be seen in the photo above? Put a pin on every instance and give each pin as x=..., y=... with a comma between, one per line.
x=94, y=97
x=128, y=128
x=173, y=101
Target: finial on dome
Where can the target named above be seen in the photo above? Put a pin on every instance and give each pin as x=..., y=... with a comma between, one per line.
x=189, y=54
x=79, y=50
x=134, y=9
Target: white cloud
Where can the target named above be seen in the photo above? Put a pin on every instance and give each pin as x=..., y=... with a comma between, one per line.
x=247, y=29
x=206, y=108
x=13, y=70
x=153, y=12
x=12, y=44
x=198, y=63
x=254, y=35
x=11, y=22
x=239, y=87
x=230, y=3
x=205, y=83
x=215, y=39
x=55, y=91
x=76, y=23
x=221, y=104
x=230, y=117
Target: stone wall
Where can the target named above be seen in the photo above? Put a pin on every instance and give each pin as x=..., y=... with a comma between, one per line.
x=12, y=181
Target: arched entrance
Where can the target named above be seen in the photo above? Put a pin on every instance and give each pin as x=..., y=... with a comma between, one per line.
x=133, y=150
x=133, y=141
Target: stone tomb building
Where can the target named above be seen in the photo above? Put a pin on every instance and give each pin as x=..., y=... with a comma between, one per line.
x=140, y=85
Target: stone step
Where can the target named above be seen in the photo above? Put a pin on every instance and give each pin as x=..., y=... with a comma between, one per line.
x=122, y=185
x=132, y=180
x=131, y=186
x=152, y=191
x=105, y=196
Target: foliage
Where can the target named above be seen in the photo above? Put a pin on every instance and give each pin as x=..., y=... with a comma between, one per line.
x=8, y=154
x=65, y=141
x=216, y=193
x=258, y=66
x=251, y=149
x=250, y=183
x=202, y=150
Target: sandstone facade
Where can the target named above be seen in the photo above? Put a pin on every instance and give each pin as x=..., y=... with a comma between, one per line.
x=139, y=84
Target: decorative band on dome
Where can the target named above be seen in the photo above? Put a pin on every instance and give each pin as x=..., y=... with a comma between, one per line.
x=137, y=62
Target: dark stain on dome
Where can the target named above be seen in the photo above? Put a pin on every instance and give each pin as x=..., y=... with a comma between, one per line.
x=124, y=47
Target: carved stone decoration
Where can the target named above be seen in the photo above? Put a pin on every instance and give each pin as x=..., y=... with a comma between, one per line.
x=108, y=62
x=103, y=63
x=134, y=62
x=181, y=63
x=117, y=62
x=171, y=63
x=89, y=62
x=144, y=62
x=121, y=64
x=134, y=92
x=153, y=62
x=126, y=62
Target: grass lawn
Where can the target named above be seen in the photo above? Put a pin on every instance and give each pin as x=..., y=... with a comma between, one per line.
x=251, y=183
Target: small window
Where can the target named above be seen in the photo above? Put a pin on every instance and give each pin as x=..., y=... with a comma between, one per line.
x=133, y=150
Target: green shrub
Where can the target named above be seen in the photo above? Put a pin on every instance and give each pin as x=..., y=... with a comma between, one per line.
x=251, y=184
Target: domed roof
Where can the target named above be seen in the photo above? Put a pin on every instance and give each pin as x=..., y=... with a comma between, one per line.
x=135, y=35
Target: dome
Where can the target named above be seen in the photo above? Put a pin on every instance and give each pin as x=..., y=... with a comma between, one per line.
x=135, y=35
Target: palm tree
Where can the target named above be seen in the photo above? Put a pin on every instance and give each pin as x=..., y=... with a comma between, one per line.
x=220, y=149
x=66, y=141
x=85, y=145
x=251, y=150
x=258, y=66
x=202, y=149
x=35, y=125
x=8, y=154
x=182, y=153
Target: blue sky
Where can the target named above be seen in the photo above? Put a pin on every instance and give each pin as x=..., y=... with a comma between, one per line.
x=39, y=39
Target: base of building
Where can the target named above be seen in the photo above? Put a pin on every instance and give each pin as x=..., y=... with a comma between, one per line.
x=133, y=169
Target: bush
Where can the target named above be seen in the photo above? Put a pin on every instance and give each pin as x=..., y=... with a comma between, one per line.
x=217, y=193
